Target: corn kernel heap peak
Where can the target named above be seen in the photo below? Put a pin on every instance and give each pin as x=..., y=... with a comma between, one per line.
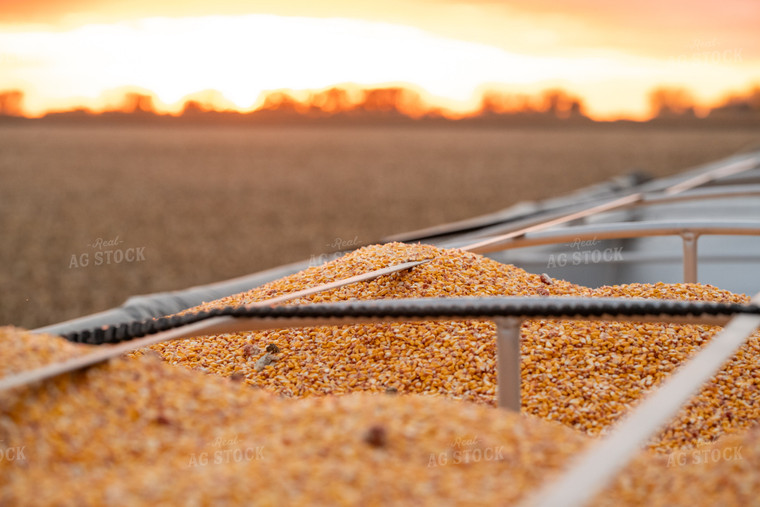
x=450, y=273
x=583, y=374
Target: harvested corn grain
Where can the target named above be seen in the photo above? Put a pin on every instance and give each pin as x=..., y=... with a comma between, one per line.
x=583, y=374
x=723, y=473
x=139, y=432
x=32, y=351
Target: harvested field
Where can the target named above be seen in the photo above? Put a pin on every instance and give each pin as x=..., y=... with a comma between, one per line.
x=198, y=204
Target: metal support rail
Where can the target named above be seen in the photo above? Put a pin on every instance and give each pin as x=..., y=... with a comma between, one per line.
x=720, y=172
x=701, y=194
x=689, y=231
x=493, y=223
x=63, y=328
x=672, y=193
x=648, y=199
x=591, y=472
x=486, y=244
x=507, y=312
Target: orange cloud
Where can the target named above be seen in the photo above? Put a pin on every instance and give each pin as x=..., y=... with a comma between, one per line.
x=604, y=51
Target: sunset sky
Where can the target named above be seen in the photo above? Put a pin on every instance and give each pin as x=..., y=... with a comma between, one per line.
x=68, y=53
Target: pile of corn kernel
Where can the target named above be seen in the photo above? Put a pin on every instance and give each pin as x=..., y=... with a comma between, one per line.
x=139, y=432
x=725, y=473
x=583, y=374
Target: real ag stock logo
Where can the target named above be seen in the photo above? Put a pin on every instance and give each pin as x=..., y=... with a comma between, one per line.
x=12, y=453
x=345, y=245
x=465, y=450
x=708, y=51
x=106, y=252
x=704, y=456
x=582, y=252
x=226, y=451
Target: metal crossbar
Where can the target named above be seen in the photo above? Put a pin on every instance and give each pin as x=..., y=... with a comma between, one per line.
x=507, y=312
x=588, y=475
x=509, y=220
x=689, y=231
x=486, y=245
x=648, y=199
x=682, y=191
x=699, y=194
x=717, y=173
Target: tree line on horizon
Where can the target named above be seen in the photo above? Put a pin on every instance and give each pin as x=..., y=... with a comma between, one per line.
x=400, y=102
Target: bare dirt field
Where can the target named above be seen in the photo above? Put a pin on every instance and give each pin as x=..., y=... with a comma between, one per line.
x=195, y=204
